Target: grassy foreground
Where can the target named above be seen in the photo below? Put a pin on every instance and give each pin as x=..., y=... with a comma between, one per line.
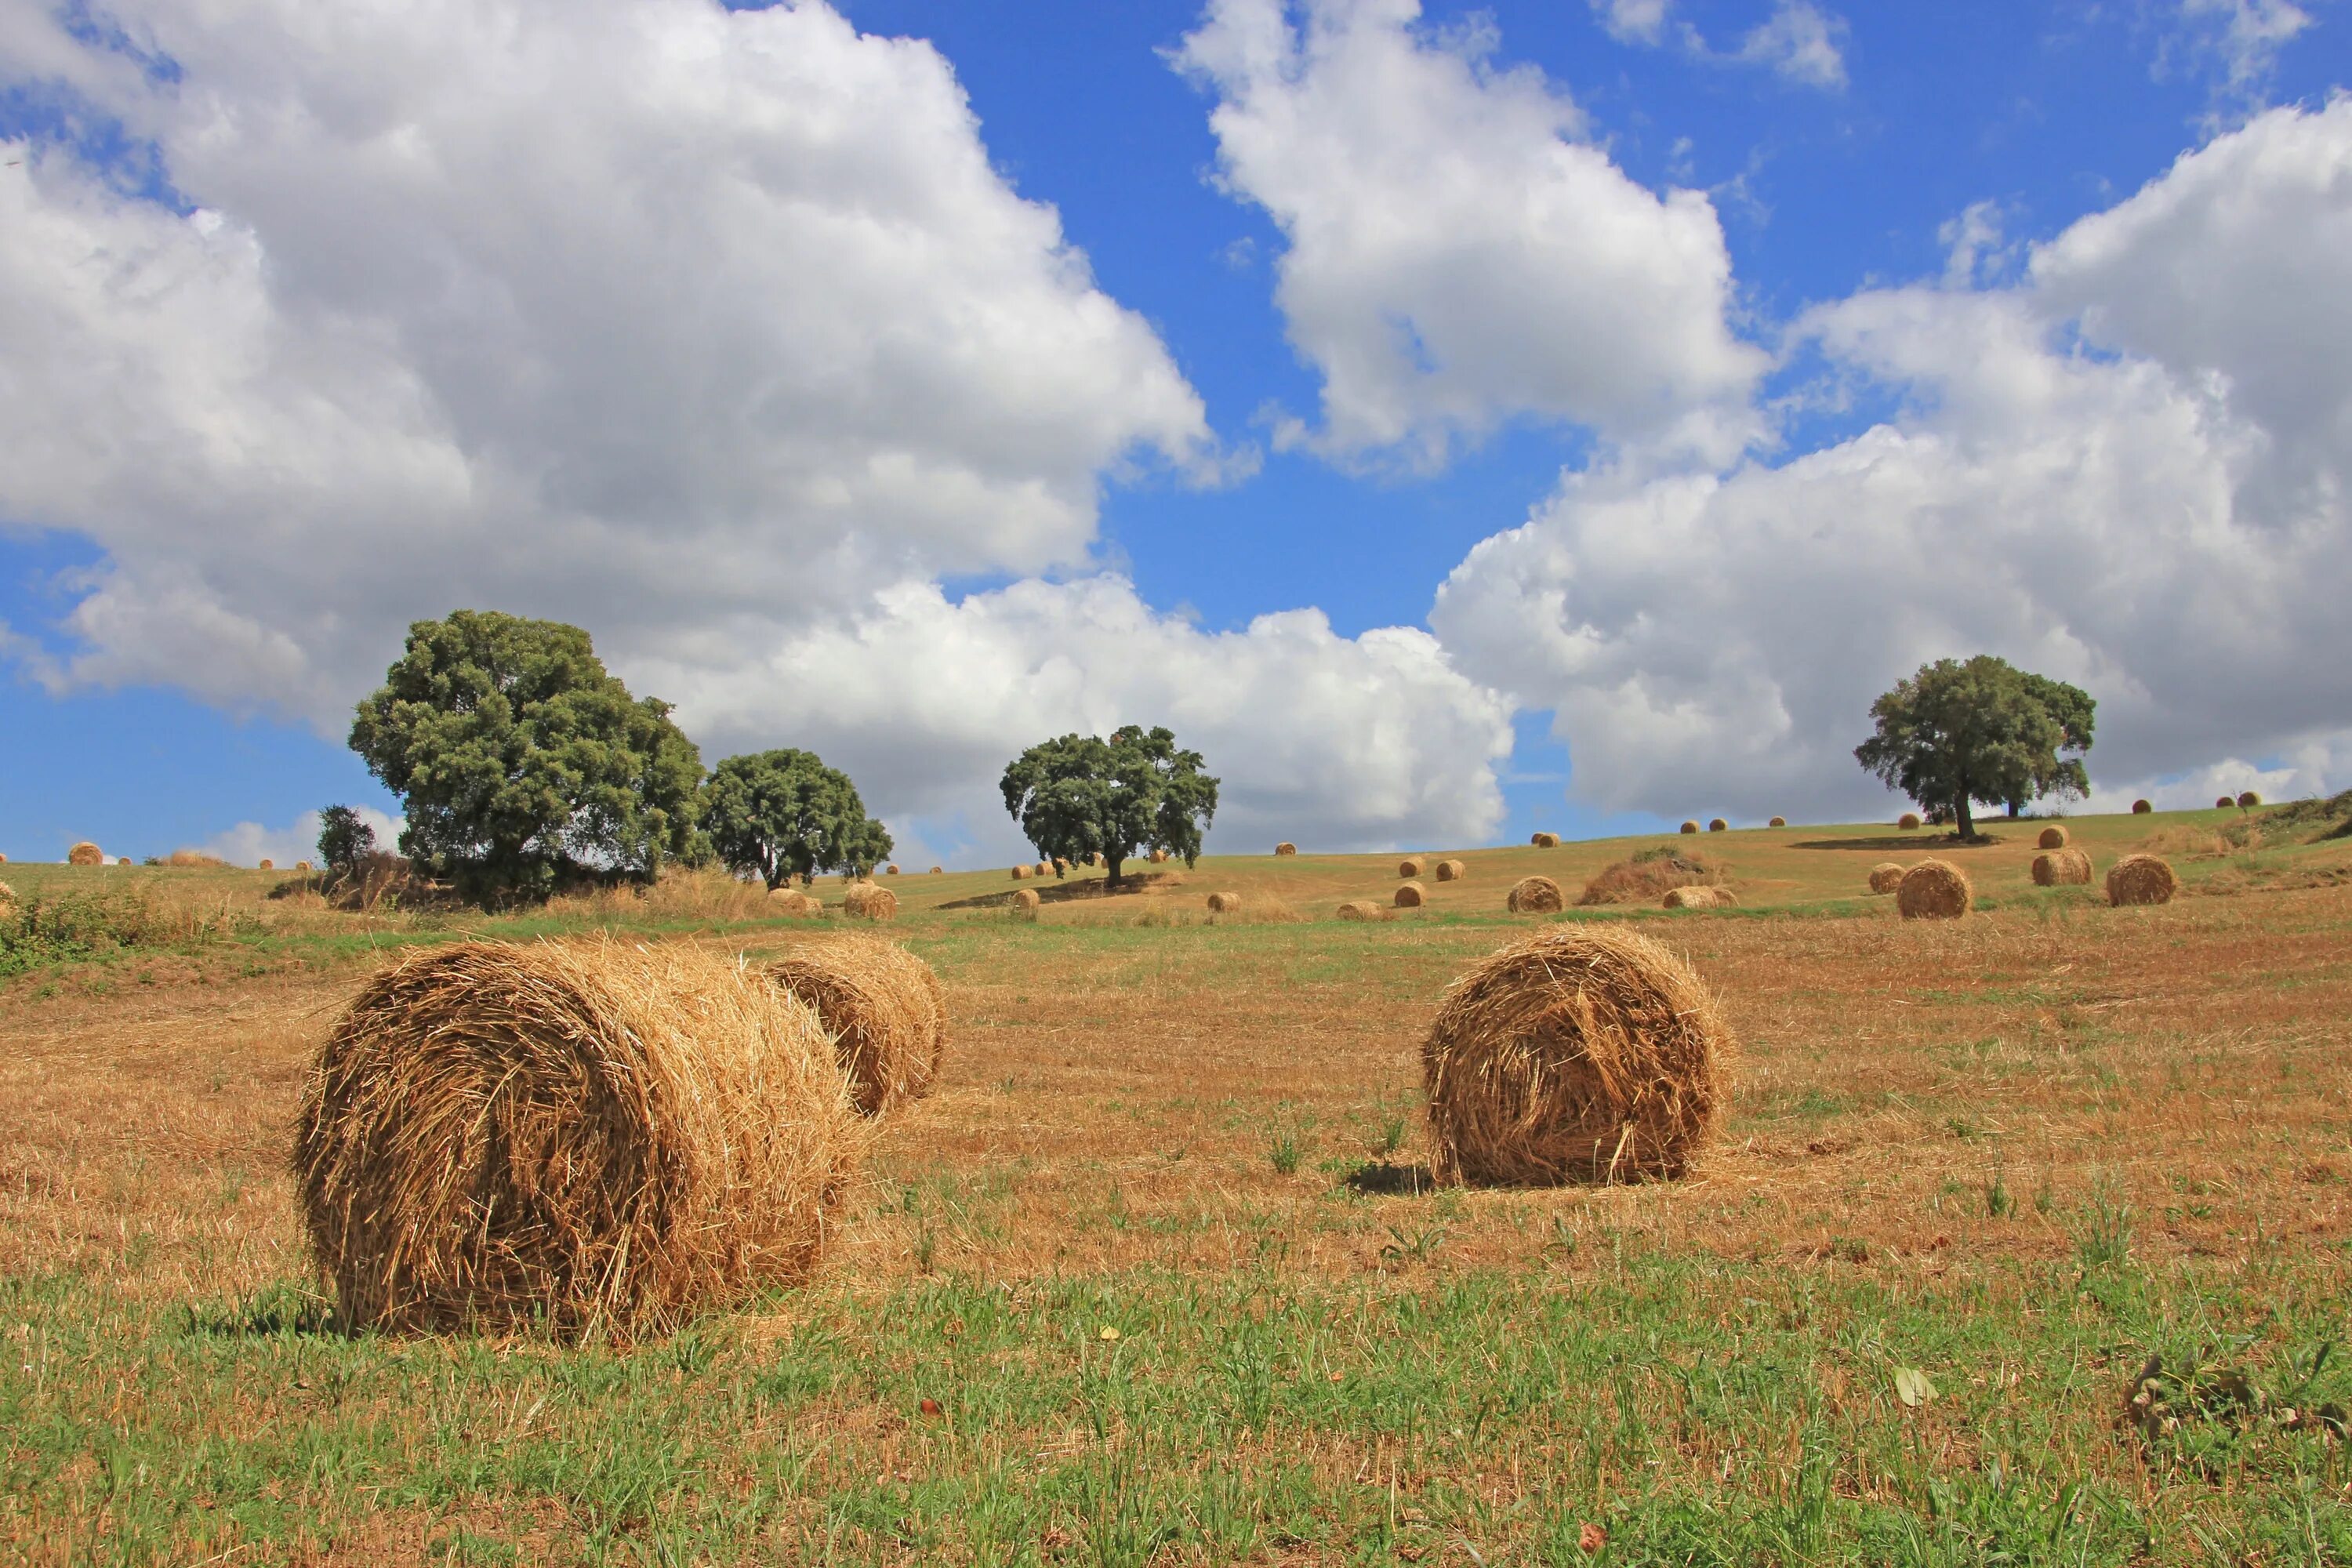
x=1110, y=1296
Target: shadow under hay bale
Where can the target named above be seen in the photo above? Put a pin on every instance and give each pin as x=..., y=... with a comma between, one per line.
x=2061, y=868
x=1380, y=1179
x=1452, y=870
x=1934, y=890
x=2050, y=837
x=1536, y=896
x=1583, y=1053
x=883, y=1007
x=1411, y=895
x=2141, y=880
x=602, y=1138
x=1885, y=876
x=1224, y=903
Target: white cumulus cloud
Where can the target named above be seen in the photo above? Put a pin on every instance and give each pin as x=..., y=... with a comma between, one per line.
x=1800, y=41
x=251, y=843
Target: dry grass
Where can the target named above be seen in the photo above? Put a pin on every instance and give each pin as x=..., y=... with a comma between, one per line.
x=1647, y=875
x=1583, y=1053
x=2187, y=842
x=600, y=1136
x=1934, y=890
x=194, y=860
x=884, y=1009
x=2141, y=880
x=679, y=894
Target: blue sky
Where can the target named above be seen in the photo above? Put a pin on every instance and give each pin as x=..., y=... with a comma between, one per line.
x=196, y=580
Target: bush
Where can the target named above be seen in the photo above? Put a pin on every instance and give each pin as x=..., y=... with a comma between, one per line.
x=1646, y=876
x=83, y=927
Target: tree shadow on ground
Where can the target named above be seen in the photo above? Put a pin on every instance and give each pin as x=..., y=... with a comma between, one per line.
x=1906, y=841
x=1055, y=892
x=1384, y=1180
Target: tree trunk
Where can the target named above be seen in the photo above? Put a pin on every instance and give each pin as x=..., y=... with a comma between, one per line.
x=2014, y=808
x=1112, y=860
x=1967, y=824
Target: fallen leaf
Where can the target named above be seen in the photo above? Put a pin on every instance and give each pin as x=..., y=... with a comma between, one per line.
x=1912, y=1386
x=1591, y=1538
x=930, y=1408
x=1109, y=1332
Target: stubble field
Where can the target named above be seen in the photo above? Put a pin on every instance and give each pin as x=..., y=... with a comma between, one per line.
x=1151, y=1278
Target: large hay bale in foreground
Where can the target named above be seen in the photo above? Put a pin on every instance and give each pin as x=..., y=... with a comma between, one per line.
x=1885, y=876
x=2050, y=837
x=1690, y=827
x=602, y=1137
x=1285, y=848
x=1717, y=824
x=1581, y=1053
x=2141, y=808
x=2250, y=800
x=1411, y=895
x=882, y=1006
x=1778, y=822
x=1536, y=896
x=1698, y=896
x=1410, y=868
x=85, y=854
x=1546, y=841
x=1224, y=903
x=1908, y=822
x=2061, y=868
x=869, y=902
x=1026, y=899
x=2141, y=880
x=1452, y=870
x=1934, y=890
x=1362, y=909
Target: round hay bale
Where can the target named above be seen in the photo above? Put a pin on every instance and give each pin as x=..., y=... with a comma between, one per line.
x=889, y=871
x=1061, y=866
x=1042, y=868
x=1690, y=827
x=1026, y=899
x=1546, y=841
x=870, y=903
x=2224, y=803
x=881, y=1004
x=1158, y=857
x=2141, y=808
x=85, y=854
x=1411, y=895
x=1451, y=871
x=1362, y=909
x=3, y=859
x=1778, y=822
x=2050, y=837
x=793, y=901
x=1908, y=822
x=1697, y=897
x=937, y=871
x=1934, y=890
x=1411, y=868
x=1020, y=873
x=268, y=866
x=604, y=1137
x=122, y=861
x=2141, y=880
x=1885, y=877
x=304, y=867
x=1579, y=1053
x=1717, y=824
x=2061, y=868
x=2250, y=800
x=1224, y=903
x=1285, y=848
x=1536, y=896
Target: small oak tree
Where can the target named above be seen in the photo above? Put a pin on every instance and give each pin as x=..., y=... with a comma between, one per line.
x=773, y=815
x=1080, y=795
x=524, y=763
x=343, y=838
x=1960, y=732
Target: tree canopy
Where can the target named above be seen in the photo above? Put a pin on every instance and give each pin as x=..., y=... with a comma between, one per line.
x=343, y=838
x=1957, y=733
x=524, y=761
x=1081, y=795
x=773, y=815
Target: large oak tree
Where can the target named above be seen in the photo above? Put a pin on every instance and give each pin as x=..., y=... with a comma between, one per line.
x=1081, y=795
x=1960, y=732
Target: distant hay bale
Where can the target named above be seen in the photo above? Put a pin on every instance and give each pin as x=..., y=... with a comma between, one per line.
x=1546, y=841
x=1908, y=822
x=1285, y=848
x=1698, y=896
x=304, y=867
x=1061, y=866
x=3, y=859
x=596, y=1136
x=1042, y=868
x=1158, y=857
x=1020, y=873
x=1536, y=896
x=1026, y=899
x=1780, y=822
x=2224, y=803
x=268, y=866
x=2141, y=880
x=1362, y=909
x=1885, y=876
x=889, y=871
x=122, y=861
x=1451, y=871
x=1410, y=867
x=882, y=1006
x=2051, y=837
x=2141, y=808
x=1580, y=1053
x=1411, y=895
x=937, y=871
x=1717, y=824
x=1224, y=903
x=870, y=903
x=85, y=854
x=790, y=901
x=2061, y=868
x=1690, y=827
x=2250, y=800
x=1934, y=890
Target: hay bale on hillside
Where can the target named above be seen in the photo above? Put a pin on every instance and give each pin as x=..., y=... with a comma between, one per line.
x=1451, y=871
x=790, y=901
x=1411, y=895
x=1934, y=890
x=85, y=854
x=2250, y=800
x=1042, y=868
x=3, y=859
x=1020, y=873
x=1410, y=868
x=1536, y=896
x=882, y=1006
x=1717, y=824
x=1885, y=877
x=2224, y=803
x=304, y=867
x=2061, y=868
x=1026, y=899
x=869, y=902
x=1061, y=866
x=1285, y=848
x=1362, y=909
x=1158, y=857
x=266, y=866
x=1224, y=903
x=1908, y=822
x=1580, y=1053
x=1690, y=827
x=1698, y=896
x=889, y=871
x=1778, y=822
x=937, y=871
x=2050, y=837
x=2141, y=808
x=598, y=1136
x=122, y=861
x=2141, y=880
x=1546, y=841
